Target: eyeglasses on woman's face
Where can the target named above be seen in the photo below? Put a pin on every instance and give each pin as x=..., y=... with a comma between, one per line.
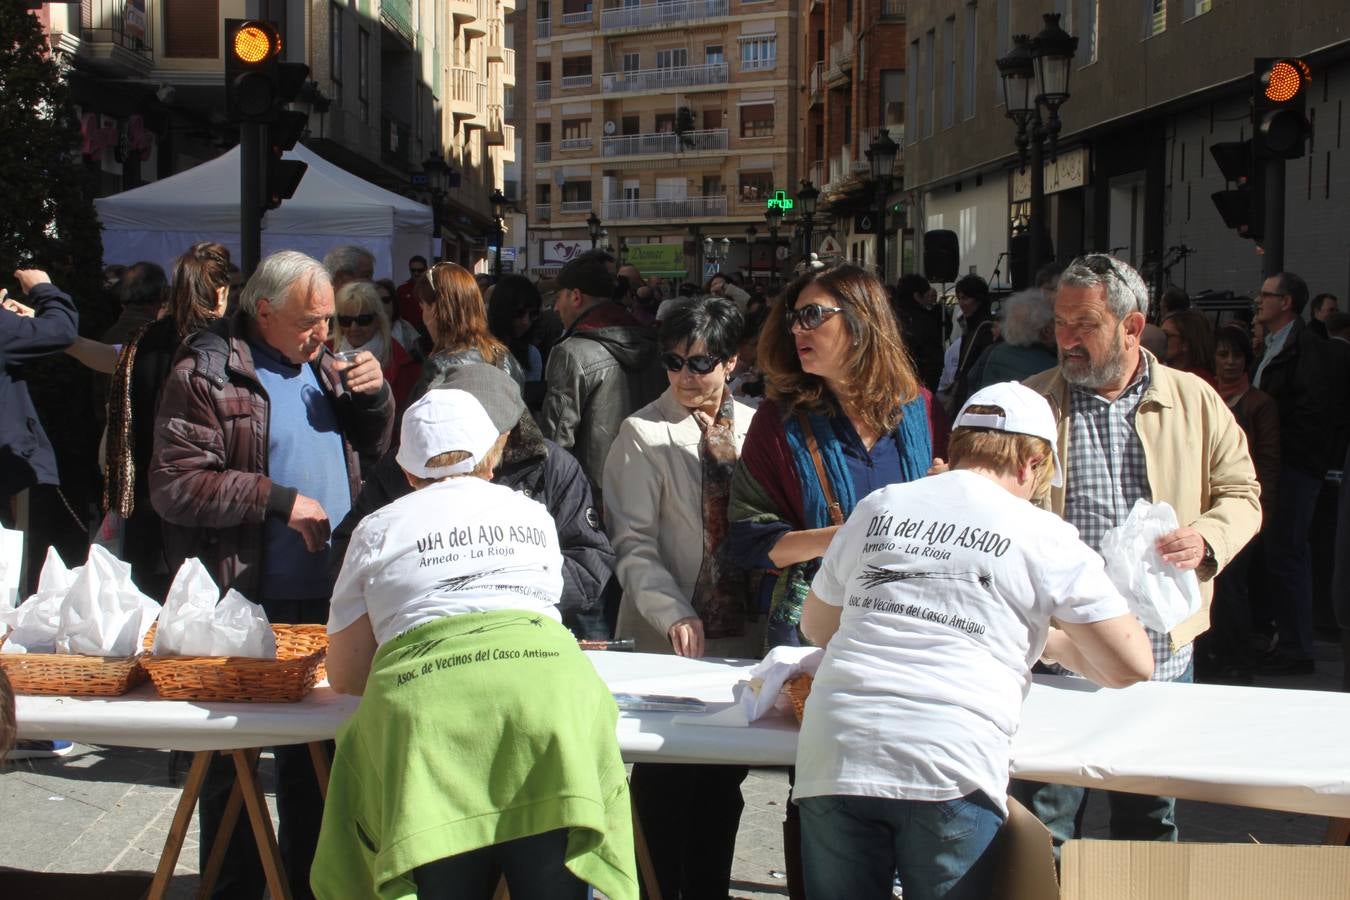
x=810, y=316
x=363, y=320
x=699, y=365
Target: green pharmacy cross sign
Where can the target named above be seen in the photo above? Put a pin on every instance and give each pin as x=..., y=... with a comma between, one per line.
x=780, y=200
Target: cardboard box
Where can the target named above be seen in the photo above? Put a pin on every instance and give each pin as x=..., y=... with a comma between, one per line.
x=1149, y=870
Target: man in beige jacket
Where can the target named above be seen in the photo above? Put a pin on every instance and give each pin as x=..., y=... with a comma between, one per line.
x=1131, y=428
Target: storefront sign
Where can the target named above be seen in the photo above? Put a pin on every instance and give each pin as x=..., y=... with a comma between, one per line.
x=653, y=258
x=557, y=252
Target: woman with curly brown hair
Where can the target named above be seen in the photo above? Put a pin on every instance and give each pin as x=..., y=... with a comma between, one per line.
x=845, y=414
x=456, y=318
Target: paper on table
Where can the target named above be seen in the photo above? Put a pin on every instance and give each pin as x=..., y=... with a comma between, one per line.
x=93, y=609
x=195, y=624
x=755, y=698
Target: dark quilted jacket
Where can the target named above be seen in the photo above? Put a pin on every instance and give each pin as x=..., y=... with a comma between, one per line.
x=208, y=474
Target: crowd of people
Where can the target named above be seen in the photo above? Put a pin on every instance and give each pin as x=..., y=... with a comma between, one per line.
x=459, y=465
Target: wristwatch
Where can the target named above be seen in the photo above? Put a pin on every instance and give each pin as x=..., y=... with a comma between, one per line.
x=1207, y=558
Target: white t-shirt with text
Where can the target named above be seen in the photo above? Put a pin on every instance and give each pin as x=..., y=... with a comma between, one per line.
x=947, y=586
x=458, y=546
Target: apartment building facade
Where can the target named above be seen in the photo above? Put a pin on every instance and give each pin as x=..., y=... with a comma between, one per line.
x=1154, y=84
x=854, y=87
x=392, y=82
x=671, y=122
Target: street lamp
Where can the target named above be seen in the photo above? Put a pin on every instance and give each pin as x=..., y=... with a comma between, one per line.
x=806, y=201
x=438, y=175
x=1035, y=74
x=498, y=201
x=603, y=242
x=623, y=250
x=881, y=155
x=774, y=216
x=593, y=226
x=714, y=251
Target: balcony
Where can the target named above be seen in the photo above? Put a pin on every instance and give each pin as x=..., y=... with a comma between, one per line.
x=865, y=138
x=496, y=126
x=893, y=9
x=841, y=57
x=817, y=81
x=466, y=93
x=651, y=15
x=665, y=143
x=496, y=41
x=397, y=14
x=543, y=28
x=578, y=18
x=113, y=41
x=759, y=65
x=509, y=6
x=543, y=90
x=664, y=79
x=463, y=10
x=574, y=207
x=572, y=145
x=543, y=151
x=508, y=65
x=577, y=82
x=683, y=208
x=543, y=212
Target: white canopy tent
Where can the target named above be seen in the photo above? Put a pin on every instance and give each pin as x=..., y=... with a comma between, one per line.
x=160, y=220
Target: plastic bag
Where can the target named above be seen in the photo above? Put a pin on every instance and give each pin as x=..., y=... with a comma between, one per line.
x=1160, y=595
x=104, y=613
x=197, y=622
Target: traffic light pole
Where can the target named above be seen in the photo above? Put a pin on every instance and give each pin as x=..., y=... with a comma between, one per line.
x=251, y=148
x=1272, y=243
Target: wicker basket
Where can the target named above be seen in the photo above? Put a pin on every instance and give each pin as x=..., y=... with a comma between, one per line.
x=72, y=674
x=286, y=679
x=798, y=688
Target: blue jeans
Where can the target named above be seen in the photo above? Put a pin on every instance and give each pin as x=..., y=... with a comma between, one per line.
x=853, y=846
x=1289, y=560
x=1134, y=817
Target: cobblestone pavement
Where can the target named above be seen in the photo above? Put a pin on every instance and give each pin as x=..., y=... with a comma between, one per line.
x=109, y=809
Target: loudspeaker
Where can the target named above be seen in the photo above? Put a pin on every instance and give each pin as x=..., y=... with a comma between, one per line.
x=941, y=256
x=1019, y=249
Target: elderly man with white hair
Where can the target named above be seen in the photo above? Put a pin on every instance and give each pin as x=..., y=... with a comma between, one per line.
x=258, y=440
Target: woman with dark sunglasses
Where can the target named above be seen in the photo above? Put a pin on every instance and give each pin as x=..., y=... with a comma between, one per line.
x=362, y=325
x=667, y=482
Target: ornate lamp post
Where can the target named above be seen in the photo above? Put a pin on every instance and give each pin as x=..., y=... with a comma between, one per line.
x=593, y=226
x=806, y=200
x=498, y=201
x=881, y=154
x=774, y=217
x=1035, y=74
x=438, y=176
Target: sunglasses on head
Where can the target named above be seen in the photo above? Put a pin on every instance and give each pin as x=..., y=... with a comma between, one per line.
x=363, y=320
x=811, y=316
x=1100, y=264
x=699, y=365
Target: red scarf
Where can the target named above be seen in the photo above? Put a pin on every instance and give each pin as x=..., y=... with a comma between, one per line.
x=1232, y=391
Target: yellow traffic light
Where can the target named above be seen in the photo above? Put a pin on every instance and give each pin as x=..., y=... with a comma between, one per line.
x=253, y=43
x=1285, y=79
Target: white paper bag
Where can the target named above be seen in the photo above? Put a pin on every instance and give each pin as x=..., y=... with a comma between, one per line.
x=11, y=565
x=1161, y=595
x=35, y=622
x=196, y=622
x=104, y=613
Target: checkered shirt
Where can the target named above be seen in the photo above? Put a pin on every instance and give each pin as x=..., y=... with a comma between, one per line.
x=1105, y=474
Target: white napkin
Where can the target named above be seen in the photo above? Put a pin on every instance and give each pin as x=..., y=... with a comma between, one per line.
x=197, y=622
x=763, y=691
x=11, y=564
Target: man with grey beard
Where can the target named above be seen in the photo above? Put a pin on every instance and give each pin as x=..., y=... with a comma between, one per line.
x=1130, y=428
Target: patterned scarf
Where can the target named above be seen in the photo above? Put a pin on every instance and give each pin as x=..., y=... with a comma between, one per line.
x=119, y=474
x=720, y=594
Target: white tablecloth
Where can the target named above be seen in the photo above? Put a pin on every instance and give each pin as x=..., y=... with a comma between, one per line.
x=1273, y=749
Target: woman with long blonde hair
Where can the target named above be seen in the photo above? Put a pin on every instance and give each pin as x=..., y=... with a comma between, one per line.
x=456, y=318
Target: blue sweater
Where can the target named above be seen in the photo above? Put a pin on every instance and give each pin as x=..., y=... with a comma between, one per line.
x=304, y=451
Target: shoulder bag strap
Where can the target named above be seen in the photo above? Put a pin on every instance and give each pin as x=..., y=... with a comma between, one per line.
x=832, y=506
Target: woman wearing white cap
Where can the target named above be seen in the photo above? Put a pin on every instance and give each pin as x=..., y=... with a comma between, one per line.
x=933, y=602
x=484, y=743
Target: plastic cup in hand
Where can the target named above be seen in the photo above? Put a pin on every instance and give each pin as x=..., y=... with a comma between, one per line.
x=348, y=359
